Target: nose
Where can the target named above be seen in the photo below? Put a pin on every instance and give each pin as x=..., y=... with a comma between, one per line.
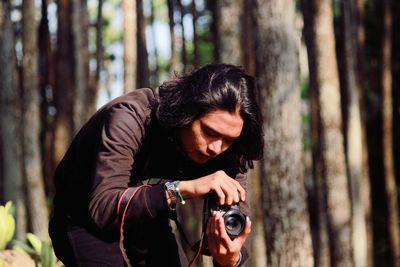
x=215, y=147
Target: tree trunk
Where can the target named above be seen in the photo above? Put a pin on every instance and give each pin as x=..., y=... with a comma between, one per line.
x=360, y=72
x=183, y=53
x=142, y=60
x=46, y=85
x=94, y=80
x=229, y=31
x=130, y=45
x=322, y=253
x=248, y=37
x=324, y=80
x=32, y=162
x=212, y=6
x=63, y=125
x=174, y=52
x=80, y=27
x=258, y=256
x=196, y=45
x=288, y=238
x=353, y=133
x=10, y=132
x=156, y=67
x=387, y=135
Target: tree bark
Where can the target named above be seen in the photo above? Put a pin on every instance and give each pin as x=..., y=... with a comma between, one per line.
x=387, y=135
x=130, y=45
x=247, y=38
x=10, y=117
x=288, y=238
x=156, y=67
x=46, y=85
x=94, y=80
x=80, y=27
x=360, y=72
x=196, y=45
x=229, y=31
x=258, y=256
x=322, y=253
x=142, y=61
x=324, y=80
x=353, y=134
x=63, y=125
x=174, y=52
x=32, y=162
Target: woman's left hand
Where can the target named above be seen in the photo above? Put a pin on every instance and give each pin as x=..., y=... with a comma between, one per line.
x=224, y=250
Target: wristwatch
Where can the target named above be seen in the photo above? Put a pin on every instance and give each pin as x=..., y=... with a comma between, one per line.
x=172, y=189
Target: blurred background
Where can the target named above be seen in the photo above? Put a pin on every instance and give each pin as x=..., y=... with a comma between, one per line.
x=328, y=75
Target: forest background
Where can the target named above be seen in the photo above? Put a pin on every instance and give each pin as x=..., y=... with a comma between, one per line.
x=328, y=76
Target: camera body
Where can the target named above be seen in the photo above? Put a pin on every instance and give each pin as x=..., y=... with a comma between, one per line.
x=234, y=219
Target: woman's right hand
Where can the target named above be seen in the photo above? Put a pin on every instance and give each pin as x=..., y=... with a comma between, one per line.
x=228, y=190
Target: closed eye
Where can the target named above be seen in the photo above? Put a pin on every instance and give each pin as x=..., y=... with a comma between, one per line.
x=210, y=132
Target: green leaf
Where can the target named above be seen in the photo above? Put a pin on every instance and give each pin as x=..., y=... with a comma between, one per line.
x=21, y=246
x=7, y=224
x=35, y=242
x=8, y=206
x=48, y=258
x=10, y=227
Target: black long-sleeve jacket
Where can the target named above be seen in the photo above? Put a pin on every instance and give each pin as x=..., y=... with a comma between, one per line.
x=119, y=147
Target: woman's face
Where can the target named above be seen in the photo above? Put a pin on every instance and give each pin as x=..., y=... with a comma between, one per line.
x=210, y=135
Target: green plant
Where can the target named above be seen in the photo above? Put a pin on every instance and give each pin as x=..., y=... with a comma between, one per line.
x=40, y=250
x=7, y=225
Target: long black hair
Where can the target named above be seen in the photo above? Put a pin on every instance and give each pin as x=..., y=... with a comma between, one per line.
x=211, y=87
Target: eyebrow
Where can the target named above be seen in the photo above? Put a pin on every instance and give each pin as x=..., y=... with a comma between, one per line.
x=214, y=131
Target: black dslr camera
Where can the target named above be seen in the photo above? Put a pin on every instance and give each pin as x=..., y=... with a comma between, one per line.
x=234, y=219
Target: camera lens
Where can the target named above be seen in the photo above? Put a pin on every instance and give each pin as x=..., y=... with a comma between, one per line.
x=234, y=223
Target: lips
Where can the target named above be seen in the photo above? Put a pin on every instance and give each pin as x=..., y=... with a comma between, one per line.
x=204, y=157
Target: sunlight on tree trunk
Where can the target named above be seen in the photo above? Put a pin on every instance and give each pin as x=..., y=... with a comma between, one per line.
x=366, y=184
x=282, y=180
x=130, y=45
x=324, y=80
x=353, y=135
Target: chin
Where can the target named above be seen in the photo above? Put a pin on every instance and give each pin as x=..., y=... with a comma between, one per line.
x=200, y=159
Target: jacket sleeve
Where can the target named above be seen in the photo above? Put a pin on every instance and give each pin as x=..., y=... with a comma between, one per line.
x=121, y=137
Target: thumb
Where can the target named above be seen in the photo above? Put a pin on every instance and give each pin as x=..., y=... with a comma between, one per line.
x=243, y=236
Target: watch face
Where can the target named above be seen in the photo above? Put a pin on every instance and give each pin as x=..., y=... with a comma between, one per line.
x=170, y=186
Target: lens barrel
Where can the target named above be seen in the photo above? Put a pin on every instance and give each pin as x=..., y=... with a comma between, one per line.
x=234, y=222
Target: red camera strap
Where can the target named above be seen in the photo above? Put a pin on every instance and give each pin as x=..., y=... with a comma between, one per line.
x=122, y=207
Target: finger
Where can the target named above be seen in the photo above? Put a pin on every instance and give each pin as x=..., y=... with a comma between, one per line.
x=213, y=233
x=221, y=195
x=209, y=232
x=222, y=230
x=230, y=187
x=229, y=192
x=243, y=236
x=241, y=191
x=214, y=223
x=234, y=193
